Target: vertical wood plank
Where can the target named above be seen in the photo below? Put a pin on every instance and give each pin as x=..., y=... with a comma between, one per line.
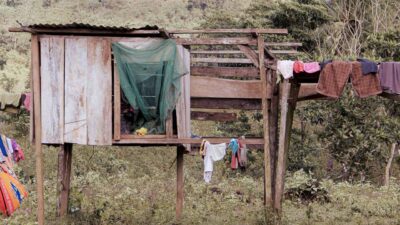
x=179, y=181
x=38, y=128
x=169, y=129
x=274, y=123
x=183, y=104
x=31, y=111
x=64, y=178
x=117, y=104
x=76, y=65
x=99, y=92
x=288, y=101
x=52, y=89
x=265, y=109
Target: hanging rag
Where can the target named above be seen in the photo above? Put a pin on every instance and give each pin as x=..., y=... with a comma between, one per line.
x=8, y=99
x=27, y=101
x=285, y=67
x=243, y=154
x=3, y=147
x=214, y=152
x=324, y=63
x=311, y=67
x=235, y=158
x=390, y=77
x=9, y=144
x=18, y=152
x=335, y=75
x=298, y=66
x=368, y=66
x=150, y=80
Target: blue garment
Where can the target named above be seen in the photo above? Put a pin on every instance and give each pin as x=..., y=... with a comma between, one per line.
x=3, y=148
x=368, y=67
x=234, y=145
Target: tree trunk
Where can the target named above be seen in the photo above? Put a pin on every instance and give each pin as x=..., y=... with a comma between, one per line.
x=393, y=153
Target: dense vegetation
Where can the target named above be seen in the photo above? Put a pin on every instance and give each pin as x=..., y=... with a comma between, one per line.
x=339, y=149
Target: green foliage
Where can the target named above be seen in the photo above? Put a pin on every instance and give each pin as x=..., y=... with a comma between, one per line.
x=303, y=188
x=384, y=45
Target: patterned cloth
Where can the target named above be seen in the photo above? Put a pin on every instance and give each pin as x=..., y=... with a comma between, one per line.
x=335, y=75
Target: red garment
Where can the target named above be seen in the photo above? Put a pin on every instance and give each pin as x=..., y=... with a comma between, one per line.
x=298, y=66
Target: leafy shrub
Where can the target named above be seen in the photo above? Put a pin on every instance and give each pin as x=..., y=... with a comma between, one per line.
x=303, y=188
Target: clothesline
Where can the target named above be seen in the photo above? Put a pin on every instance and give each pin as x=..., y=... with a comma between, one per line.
x=367, y=77
x=216, y=152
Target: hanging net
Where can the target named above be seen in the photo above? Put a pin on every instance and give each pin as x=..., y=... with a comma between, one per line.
x=150, y=82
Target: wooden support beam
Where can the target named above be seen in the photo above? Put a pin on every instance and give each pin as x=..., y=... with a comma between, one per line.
x=38, y=128
x=249, y=72
x=177, y=141
x=222, y=60
x=216, y=41
x=265, y=87
x=225, y=103
x=64, y=178
x=169, y=129
x=222, y=31
x=179, y=181
x=250, y=54
x=117, y=104
x=214, y=116
x=274, y=123
x=288, y=105
x=234, y=52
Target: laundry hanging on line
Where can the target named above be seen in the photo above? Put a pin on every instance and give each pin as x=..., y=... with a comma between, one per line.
x=368, y=78
x=216, y=152
x=12, y=192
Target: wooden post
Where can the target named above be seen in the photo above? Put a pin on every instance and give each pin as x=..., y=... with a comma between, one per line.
x=64, y=178
x=38, y=127
x=274, y=123
x=266, y=86
x=117, y=105
x=289, y=96
x=179, y=181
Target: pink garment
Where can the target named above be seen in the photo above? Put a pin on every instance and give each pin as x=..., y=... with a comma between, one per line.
x=311, y=67
x=18, y=152
x=27, y=101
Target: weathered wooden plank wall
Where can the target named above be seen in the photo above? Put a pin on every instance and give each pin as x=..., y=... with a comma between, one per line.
x=224, y=88
x=99, y=91
x=52, y=89
x=76, y=72
x=183, y=104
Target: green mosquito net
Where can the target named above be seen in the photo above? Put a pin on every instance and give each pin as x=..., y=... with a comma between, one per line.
x=150, y=81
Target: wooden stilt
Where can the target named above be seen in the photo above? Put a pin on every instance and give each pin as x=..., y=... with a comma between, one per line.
x=179, y=181
x=274, y=122
x=288, y=101
x=266, y=86
x=63, y=178
x=38, y=127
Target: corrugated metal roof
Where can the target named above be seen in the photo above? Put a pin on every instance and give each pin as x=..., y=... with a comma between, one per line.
x=89, y=27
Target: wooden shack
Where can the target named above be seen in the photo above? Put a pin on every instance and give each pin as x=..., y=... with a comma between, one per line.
x=77, y=95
